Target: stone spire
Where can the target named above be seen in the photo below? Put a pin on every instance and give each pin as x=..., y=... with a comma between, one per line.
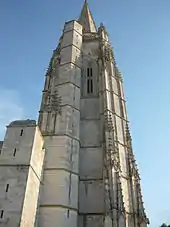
x=86, y=19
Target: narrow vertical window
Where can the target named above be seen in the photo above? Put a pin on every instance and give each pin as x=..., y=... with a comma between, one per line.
x=68, y=213
x=88, y=72
x=15, y=150
x=89, y=80
x=88, y=86
x=2, y=214
x=21, y=133
x=7, y=187
x=91, y=73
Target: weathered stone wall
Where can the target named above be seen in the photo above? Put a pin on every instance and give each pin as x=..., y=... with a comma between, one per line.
x=29, y=210
x=91, y=186
x=21, y=162
x=59, y=192
x=12, y=192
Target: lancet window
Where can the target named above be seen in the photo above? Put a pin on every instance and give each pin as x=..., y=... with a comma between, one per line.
x=89, y=81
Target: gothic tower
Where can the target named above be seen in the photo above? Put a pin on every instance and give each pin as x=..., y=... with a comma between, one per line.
x=90, y=177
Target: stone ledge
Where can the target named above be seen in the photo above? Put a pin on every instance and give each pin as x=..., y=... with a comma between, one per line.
x=25, y=123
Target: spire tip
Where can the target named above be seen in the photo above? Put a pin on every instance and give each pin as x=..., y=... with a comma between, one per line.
x=86, y=19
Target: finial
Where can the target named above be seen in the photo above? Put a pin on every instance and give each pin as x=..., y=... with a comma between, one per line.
x=117, y=72
x=128, y=136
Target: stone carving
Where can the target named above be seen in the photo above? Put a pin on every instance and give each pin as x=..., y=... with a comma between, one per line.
x=54, y=103
x=90, y=36
x=142, y=218
x=120, y=193
x=108, y=121
x=115, y=160
x=106, y=54
x=55, y=60
x=135, y=172
x=96, y=221
x=112, y=153
x=117, y=73
x=112, y=163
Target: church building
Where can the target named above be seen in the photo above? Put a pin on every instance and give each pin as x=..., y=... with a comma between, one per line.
x=75, y=167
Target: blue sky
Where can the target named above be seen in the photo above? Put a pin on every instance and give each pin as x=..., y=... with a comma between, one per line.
x=140, y=34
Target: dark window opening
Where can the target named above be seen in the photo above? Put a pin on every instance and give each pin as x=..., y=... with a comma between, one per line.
x=21, y=133
x=15, y=150
x=88, y=72
x=7, y=187
x=68, y=213
x=91, y=86
x=89, y=81
x=2, y=213
x=91, y=73
x=88, y=86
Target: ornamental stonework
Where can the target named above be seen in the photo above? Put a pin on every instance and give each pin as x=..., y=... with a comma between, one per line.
x=54, y=103
x=90, y=36
x=115, y=160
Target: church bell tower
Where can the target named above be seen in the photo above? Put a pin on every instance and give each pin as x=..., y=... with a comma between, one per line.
x=90, y=177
